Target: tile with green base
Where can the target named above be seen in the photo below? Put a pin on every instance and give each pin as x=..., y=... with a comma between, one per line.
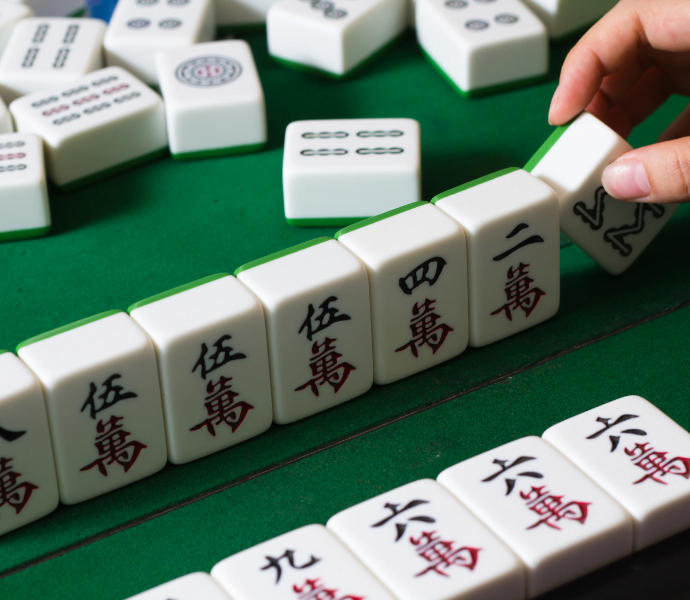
x=219, y=152
x=277, y=255
x=474, y=183
x=177, y=290
x=376, y=219
x=486, y=91
x=338, y=77
x=64, y=328
x=330, y=222
x=546, y=146
x=111, y=171
x=23, y=234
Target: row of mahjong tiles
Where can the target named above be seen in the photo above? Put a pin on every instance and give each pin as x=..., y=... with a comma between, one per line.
x=295, y=333
x=514, y=522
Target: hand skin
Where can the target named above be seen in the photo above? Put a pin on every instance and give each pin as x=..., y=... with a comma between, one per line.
x=621, y=71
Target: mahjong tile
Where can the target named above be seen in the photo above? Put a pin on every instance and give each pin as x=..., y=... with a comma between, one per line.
x=315, y=298
x=139, y=29
x=424, y=545
x=309, y=563
x=214, y=101
x=333, y=37
x=103, y=123
x=416, y=259
x=210, y=341
x=10, y=14
x=481, y=46
x=614, y=233
x=563, y=17
x=100, y=380
x=639, y=456
x=510, y=220
x=24, y=205
x=195, y=586
x=557, y=520
x=339, y=171
x=46, y=52
x=239, y=14
x=28, y=486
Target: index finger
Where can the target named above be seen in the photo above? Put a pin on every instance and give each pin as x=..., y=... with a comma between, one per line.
x=621, y=35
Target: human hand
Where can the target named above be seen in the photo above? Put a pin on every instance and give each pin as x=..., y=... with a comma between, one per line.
x=621, y=71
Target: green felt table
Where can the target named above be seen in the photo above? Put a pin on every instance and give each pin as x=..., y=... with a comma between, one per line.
x=169, y=223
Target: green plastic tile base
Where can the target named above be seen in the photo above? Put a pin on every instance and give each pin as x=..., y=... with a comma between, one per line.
x=546, y=146
x=280, y=254
x=23, y=234
x=474, y=183
x=110, y=172
x=218, y=152
x=64, y=328
x=334, y=222
x=381, y=217
x=177, y=290
x=486, y=91
x=353, y=71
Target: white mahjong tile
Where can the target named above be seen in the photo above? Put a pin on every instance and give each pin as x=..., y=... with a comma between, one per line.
x=315, y=298
x=58, y=8
x=510, y=220
x=6, y=124
x=424, y=545
x=333, y=37
x=139, y=29
x=480, y=46
x=210, y=341
x=100, y=381
x=214, y=101
x=612, y=232
x=46, y=52
x=10, y=14
x=195, y=586
x=99, y=124
x=416, y=259
x=24, y=206
x=557, y=520
x=639, y=456
x=28, y=486
x=337, y=172
x=308, y=563
x=242, y=13
x=563, y=17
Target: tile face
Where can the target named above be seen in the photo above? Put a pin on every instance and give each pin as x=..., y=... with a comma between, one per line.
x=210, y=341
x=478, y=45
x=214, y=101
x=337, y=172
x=28, y=487
x=102, y=122
x=513, y=247
x=562, y=17
x=559, y=523
x=10, y=14
x=309, y=563
x=416, y=260
x=46, y=52
x=24, y=206
x=639, y=456
x=242, y=12
x=332, y=37
x=194, y=586
x=100, y=381
x=139, y=29
x=315, y=298
x=424, y=545
x=612, y=232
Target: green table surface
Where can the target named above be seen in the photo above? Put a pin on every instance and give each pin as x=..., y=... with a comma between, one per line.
x=169, y=223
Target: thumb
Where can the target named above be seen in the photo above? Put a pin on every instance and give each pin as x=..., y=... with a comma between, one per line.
x=658, y=173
